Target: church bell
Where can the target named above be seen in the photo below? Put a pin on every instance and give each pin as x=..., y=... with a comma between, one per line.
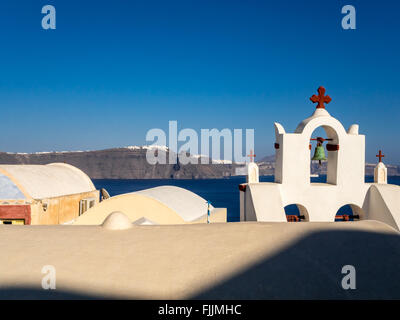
x=319, y=154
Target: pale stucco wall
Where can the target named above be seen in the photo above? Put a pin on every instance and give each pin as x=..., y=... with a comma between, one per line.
x=59, y=209
x=382, y=203
x=264, y=203
x=213, y=261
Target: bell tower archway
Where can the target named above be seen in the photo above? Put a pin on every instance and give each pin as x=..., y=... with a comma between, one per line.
x=324, y=153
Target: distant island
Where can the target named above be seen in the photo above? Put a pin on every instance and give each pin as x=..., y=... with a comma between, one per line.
x=131, y=163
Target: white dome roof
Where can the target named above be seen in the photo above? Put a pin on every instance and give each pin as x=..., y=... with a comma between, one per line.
x=188, y=205
x=42, y=181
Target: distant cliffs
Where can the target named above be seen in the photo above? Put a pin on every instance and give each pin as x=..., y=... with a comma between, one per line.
x=267, y=167
x=121, y=163
x=131, y=163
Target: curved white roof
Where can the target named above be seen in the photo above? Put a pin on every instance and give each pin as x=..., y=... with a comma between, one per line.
x=43, y=181
x=321, y=117
x=185, y=203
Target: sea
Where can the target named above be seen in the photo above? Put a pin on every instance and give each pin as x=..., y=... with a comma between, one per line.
x=222, y=193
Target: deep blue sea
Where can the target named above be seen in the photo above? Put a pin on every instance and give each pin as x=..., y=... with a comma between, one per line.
x=223, y=193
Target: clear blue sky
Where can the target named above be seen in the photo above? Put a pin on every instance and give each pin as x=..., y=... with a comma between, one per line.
x=112, y=70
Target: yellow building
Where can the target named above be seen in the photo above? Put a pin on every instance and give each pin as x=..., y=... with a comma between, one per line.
x=55, y=193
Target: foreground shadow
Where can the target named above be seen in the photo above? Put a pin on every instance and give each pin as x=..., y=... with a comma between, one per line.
x=308, y=269
x=28, y=293
x=311, y=269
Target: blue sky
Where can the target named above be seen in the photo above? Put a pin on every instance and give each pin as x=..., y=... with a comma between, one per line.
x=112, y=70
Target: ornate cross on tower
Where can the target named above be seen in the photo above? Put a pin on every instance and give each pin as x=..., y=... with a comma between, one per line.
x=321, y=98
x=380, y=155
x=251, y=156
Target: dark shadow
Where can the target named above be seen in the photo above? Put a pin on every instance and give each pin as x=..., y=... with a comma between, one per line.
x=29, y=293
x=311, y=269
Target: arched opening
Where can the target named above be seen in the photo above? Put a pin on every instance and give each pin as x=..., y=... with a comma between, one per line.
x=349, y=212
x=296, y=213
x=324, y=149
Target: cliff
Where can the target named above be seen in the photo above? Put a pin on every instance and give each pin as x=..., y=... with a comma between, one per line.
x=267, y=167
x=131, y=163
x=120, y=163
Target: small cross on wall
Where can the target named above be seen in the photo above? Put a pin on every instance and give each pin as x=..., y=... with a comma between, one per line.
x=380, y=155
x=251, y=156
